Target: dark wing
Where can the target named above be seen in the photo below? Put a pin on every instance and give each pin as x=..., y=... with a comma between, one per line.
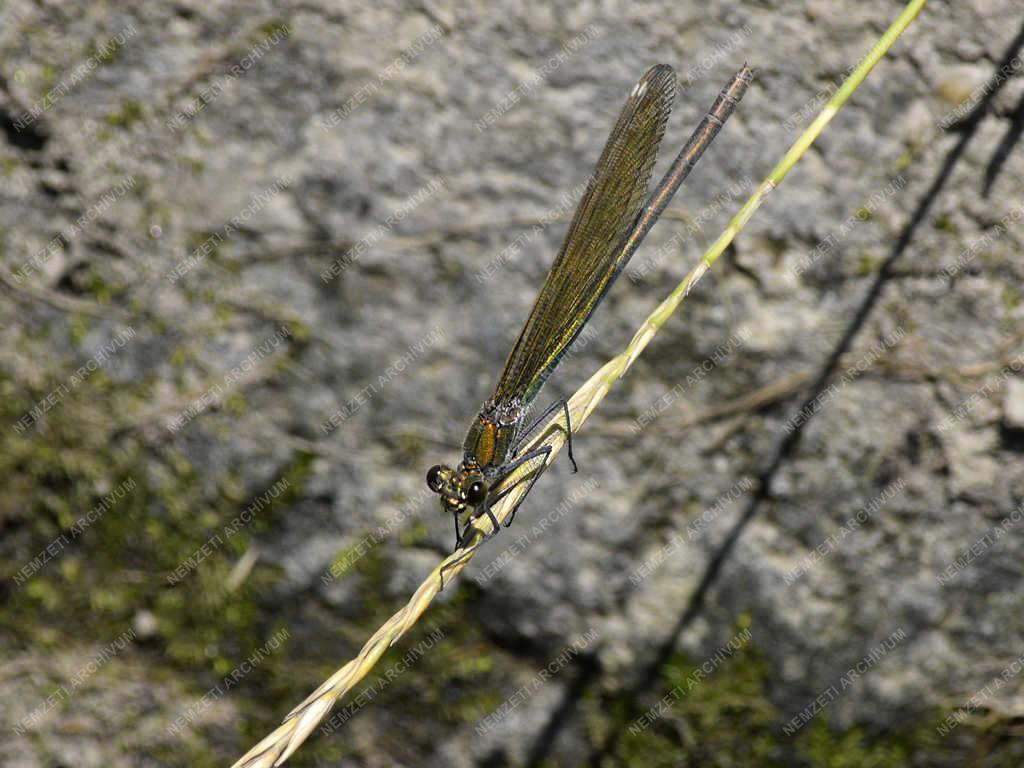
x=592, y=255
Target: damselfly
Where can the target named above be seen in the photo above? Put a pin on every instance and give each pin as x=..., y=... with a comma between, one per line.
x=610, y=222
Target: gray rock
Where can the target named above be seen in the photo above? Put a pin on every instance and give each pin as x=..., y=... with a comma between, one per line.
x=1013, y=404
x=330, y=144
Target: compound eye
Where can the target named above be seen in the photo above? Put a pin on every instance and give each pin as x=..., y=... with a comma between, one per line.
x=476, y=492
x=434, y=478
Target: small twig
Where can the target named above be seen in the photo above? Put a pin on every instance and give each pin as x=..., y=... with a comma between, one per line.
x=29, y=293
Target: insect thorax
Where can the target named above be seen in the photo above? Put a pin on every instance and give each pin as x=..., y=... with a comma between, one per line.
x=490, y=438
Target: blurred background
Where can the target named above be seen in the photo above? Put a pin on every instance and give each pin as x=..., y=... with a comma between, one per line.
x=261, y=264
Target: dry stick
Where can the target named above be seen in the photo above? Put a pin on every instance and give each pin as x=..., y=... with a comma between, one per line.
x=300, y=722
x=56, y=300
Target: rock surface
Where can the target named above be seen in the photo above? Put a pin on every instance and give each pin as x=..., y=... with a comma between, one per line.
x=193, y=172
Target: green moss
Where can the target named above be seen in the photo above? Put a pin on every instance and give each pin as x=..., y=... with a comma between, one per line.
x=78, y=327
x=178, y=357
x=414, y=534
x=944, y=223
x=410, y=449
x=270, y=28
x=204, y=632
x=224, y=314
x=120, y=561
x=103, y=52
x=209, y=241
x=866, y=264
x=459, y=678
x=299, y=331
x=236, y=404
x=726, y=719
x=1010, y=297
x=194, y=165
x=126, y=115
x=716, y=718
x=825, y=748
x=346, y=560
x=101, y=290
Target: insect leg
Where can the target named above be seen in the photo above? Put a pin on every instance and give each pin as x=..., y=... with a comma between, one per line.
x=486, y=509
x=458, y=536
x=542, y=452
x=564, y=405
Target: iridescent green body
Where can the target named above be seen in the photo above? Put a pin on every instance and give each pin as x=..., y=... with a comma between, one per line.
x=489, y=440
x=612, y=219
x=486, y=450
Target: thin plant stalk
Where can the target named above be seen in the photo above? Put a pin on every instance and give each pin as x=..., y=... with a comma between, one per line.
x=301, y=721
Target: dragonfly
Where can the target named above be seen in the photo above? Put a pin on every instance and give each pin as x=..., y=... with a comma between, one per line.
x=613, y=217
